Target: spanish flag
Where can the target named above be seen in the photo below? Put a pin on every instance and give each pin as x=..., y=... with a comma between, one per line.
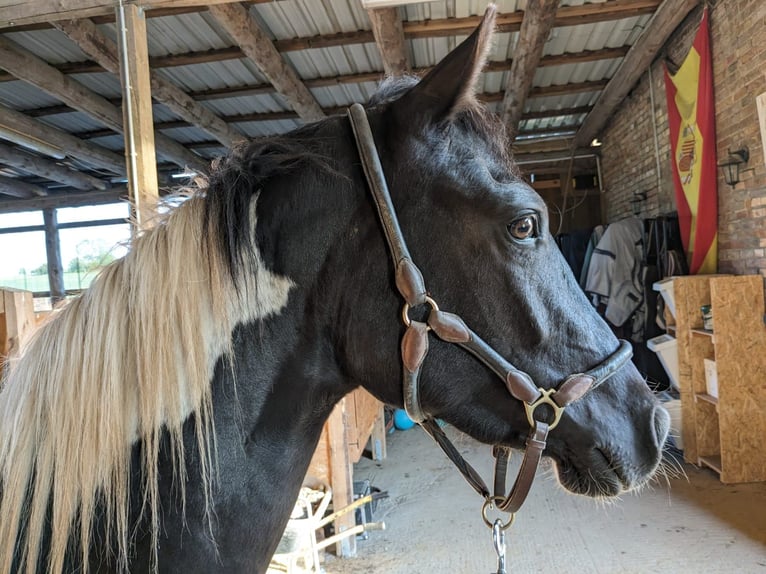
x=691, y=116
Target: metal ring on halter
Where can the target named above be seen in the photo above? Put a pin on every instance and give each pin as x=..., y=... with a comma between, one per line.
x=490, y=501
x=406, y=311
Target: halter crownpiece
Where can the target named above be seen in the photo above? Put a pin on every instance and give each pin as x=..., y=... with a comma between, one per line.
x=451, y=328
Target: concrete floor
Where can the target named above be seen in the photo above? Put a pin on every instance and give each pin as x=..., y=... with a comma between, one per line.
x=687, y=525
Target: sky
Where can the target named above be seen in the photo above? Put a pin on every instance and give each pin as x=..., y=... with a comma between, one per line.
x=27, y=250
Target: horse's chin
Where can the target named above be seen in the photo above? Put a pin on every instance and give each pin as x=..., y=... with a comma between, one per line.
x=599, y=477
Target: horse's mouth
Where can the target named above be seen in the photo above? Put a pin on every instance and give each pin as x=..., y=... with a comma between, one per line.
x=600, y=476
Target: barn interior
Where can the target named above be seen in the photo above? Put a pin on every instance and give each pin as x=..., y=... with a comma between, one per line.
x=107, y=106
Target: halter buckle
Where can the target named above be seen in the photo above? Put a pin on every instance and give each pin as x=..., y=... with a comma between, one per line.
x=544, y=399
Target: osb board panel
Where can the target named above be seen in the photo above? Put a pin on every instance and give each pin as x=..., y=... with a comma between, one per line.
x=708, y=443
x=18, y=319
x=366, y=410
x=700, y=348
x=690, y=293
x=319, y=469
x=740, y=340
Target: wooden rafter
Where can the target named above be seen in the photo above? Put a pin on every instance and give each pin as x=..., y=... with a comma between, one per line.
x=30, y=68
x=240, y=25
x=63, y=200
x=204, y=57
x=290, y=115
x=260, y=89
x=27, y=16
x=535, y=28
x=15, y=122
x=17, y=188
x=389, y=37
x=48, y=169
x=104, y=51
x=662, y=24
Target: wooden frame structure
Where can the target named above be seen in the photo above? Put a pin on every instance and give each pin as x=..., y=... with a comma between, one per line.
x=78, y=19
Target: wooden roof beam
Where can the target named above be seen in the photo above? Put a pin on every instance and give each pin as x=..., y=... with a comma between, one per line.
x=49, y=169
x=234, y=53
x=29, y=12
x=21, y=189
x=104, y=51
x=52, y=201
x=539, y=17
x=662, y=24
x=246, y=32
x=588, y=13
x=30, y=68
x=389, y=36
x=12, y=122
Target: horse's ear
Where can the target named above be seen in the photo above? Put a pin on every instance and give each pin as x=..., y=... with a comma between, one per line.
x=451, y=85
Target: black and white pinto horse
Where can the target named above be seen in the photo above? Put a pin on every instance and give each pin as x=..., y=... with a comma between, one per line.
x=164, y=420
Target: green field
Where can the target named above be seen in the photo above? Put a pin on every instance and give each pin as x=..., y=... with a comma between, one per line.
x=39, y=283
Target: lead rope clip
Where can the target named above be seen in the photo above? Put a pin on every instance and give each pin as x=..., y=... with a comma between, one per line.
x=498, y=539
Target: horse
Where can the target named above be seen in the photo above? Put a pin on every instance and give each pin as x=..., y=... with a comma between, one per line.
x=164, y=420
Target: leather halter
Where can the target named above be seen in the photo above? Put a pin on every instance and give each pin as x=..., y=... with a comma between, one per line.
x=451, y=328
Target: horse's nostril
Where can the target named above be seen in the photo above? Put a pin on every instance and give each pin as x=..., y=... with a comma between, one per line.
x=661, y=425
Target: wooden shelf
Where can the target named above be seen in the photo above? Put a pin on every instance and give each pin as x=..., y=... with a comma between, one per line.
x=713, y=462
x=707, y=398
x=705, y=332
x=713, y=431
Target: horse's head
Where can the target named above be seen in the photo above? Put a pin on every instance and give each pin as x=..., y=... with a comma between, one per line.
x=481, y=237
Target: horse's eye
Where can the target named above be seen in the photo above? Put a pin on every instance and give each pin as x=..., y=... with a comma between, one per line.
x=523, y=228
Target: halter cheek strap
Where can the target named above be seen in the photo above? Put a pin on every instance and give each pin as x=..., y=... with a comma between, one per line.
x=451, y=328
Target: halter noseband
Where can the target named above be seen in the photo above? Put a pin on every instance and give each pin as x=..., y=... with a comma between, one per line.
x=451, y=328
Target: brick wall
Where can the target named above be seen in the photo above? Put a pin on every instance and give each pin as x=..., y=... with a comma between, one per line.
x=629, y=151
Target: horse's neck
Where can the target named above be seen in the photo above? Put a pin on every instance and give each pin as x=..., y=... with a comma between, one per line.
x=268, y=416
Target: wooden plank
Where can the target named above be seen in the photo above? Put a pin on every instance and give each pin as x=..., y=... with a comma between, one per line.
x=97, y=156
x=137, y=112
x=740, y=340
x=26, y=12
x=389, y=36
x=539, y=17
x=256, y=44
x=690, y=293
x=19, y=319
x=18, y=188
x=36, y=14
x=87, y=36
x=72, y=28
x=661, y=25
x=341, y=475
x=63, y=200
x=53, y=256
x=49, y=169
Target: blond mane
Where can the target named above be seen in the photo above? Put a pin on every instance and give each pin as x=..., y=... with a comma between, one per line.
x=131, y=357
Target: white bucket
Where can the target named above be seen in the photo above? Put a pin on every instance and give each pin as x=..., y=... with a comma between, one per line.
x=666, y=348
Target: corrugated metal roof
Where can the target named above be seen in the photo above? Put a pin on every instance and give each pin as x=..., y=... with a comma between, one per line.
x=289, y=19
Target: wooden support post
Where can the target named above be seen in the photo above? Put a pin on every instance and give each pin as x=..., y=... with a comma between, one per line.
x=378, y=436
x=341, y=473
x=389, y=36
x=53, y=252
x=137, y=112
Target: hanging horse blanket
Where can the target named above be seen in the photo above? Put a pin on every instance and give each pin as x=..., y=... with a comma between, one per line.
x=614, y=273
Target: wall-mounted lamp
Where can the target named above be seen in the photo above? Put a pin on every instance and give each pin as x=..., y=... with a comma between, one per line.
x=731, y=166
x=637, y=203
